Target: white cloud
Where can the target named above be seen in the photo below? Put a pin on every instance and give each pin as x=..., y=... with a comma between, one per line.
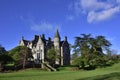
x=97, y=10
x=89, y=5
x=44, y=26
x=103, y=15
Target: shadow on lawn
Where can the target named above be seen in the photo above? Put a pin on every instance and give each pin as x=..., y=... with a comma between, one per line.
x=111, y=76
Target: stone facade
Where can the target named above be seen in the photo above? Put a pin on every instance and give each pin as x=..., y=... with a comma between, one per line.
x=39, y=46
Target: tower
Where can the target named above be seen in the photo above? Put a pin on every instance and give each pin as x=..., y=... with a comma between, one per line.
x=57, y=40
x=57, y=45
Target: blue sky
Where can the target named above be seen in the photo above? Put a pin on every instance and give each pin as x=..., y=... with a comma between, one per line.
x=72, y=18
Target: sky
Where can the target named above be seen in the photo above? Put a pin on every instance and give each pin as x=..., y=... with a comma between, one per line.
x=72, y=17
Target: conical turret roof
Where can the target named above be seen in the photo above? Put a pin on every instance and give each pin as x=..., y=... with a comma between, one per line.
x=57, y=34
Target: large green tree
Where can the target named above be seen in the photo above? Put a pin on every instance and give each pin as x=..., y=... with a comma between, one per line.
x=4, y=57
x=91, y=49
x=21, y=54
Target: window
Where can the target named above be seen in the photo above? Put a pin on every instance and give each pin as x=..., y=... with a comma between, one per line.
x=38, y=55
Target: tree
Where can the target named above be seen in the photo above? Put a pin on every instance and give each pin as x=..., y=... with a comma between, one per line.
x=4, y=57
x=101, y=44
x=91, y=49
x=98, y=45
x=2, y=49
x=112, y=57
x=21, y=54
x=74, y=56
x=82, y=47
x=52, y=56
x=25, y=55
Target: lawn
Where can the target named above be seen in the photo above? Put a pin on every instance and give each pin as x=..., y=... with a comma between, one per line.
x=109, y=73
x=111, y=76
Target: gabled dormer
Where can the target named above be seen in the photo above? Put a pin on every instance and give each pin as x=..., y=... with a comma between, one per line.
x=40, y=41
x=23, y=42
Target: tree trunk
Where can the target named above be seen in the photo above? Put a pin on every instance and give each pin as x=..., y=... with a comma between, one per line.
x=1, y=67
x=24, y=62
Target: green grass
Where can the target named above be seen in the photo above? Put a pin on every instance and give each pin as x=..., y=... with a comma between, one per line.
x=109, y=73
x=111, y=76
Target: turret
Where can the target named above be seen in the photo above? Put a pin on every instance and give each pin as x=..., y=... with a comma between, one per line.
x=22, y=38
x=21, y=42
x=57, y=35
x=57, y=46
x=65, y=38
x=57, y=40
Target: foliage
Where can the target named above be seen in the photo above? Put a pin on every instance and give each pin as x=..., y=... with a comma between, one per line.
x=4, y=58
x=91, y=50
x=74, y=56
x=2, y=49
x=52, y=55
x=21, y=54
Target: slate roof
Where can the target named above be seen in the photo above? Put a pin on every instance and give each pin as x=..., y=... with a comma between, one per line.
x=26, y=42
x=34, y=42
